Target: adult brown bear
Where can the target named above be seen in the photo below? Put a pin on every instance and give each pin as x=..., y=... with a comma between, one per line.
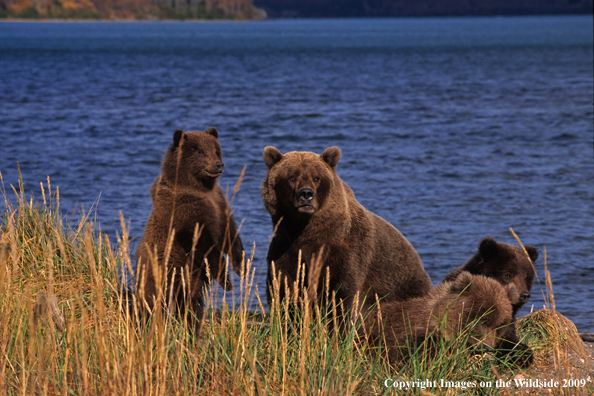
x=470, y=303
x=316, y=217
x=187, y=203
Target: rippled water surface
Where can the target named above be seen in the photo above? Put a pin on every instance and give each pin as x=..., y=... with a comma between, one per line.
x=450, y=129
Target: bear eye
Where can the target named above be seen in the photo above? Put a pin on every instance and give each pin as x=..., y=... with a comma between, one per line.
x=292, y=179
x=316, y=179
x=201, y=153
x=508, y=276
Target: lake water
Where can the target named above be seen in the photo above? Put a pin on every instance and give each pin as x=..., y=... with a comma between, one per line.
x=451, y=129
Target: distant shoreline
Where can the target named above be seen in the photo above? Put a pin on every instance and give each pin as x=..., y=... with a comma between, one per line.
x=19, y=20
x=278, y=18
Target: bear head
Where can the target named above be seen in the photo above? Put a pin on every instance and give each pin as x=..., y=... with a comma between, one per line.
x=193, y=159
x=507, y=264
x=482, y=306
x=297, y=184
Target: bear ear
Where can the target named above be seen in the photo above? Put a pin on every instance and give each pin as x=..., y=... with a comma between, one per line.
x=271, y=156
x=488, y=247
x=331, y=156
x=213, y=131
x=178, y=135
x=532, y=252
x=461, y=282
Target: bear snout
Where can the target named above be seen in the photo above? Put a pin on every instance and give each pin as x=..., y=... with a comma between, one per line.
x=306, y=195
x=524, y=296
x=219, y=165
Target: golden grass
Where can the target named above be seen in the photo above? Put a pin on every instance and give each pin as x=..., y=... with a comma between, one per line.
x=548, y=330
x=97, y=347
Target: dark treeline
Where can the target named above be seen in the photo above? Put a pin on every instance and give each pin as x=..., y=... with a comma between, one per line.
x=389, y=8
x=131, y=9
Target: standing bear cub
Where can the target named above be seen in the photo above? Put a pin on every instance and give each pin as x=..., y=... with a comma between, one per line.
x=474, y=304
x=507, y=264
x=188, y=207
x=316, y=217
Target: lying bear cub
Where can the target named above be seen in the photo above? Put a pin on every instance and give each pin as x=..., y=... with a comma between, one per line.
x=316, y=217
x=507, y=264
x=472, y=303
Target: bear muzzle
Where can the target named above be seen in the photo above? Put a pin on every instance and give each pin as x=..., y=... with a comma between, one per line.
x=218, y=169
x=524, y=296
x=305, y=197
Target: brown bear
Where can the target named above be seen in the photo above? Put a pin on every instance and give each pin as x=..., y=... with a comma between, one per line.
x=506, y=264
x=316, y=217
x=188, y=203
x=471, y=303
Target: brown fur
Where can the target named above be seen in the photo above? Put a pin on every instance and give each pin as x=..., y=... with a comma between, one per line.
x=507, y=264
x=446, y=311
x=187, y=194
x=365, y=254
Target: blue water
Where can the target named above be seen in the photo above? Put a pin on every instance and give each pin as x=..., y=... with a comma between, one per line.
x=451, y=129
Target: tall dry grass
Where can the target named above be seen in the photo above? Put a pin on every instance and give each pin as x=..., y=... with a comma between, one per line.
x=101, y=349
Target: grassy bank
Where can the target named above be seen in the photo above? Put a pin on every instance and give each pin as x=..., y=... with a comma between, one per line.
x=87, y=342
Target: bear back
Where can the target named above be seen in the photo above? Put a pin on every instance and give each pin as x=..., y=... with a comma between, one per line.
x=471, y=303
